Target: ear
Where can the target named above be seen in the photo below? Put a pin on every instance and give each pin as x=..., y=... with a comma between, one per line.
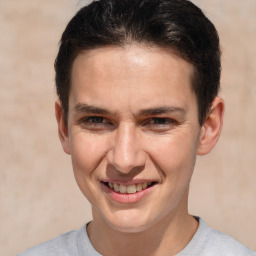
x=62, y=128
x=211, y=129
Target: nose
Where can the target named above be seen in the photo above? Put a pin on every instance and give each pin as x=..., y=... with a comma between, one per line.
x=126, y=153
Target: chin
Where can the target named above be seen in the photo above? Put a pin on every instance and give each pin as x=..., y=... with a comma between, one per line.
x=129, y=227
x=129, y=222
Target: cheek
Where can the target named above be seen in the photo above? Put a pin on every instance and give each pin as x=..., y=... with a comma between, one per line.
x=87, y=151
x=174, y=155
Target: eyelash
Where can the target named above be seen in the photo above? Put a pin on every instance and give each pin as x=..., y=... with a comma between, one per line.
x=95, y=118
x=99, y=122
x=167, y=121
x=95, y=121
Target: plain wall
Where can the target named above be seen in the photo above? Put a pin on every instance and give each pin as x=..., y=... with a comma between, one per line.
x=39, y=196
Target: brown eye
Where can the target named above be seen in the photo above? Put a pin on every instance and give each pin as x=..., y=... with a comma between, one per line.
x=160, y=121
x=95, y=119
x=159, y=124
x=157, y=120
x=96, y=123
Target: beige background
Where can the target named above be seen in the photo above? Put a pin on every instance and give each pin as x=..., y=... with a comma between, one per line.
x=39, y=197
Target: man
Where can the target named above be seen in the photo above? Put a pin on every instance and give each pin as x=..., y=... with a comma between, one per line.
x=138, y=85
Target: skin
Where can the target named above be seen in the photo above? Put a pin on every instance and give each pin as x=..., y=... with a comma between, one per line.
x=132, y=118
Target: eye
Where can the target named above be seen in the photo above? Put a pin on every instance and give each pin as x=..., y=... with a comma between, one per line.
x=160, y=124
x=159, y=121
x=96, y=123
x=95, y=119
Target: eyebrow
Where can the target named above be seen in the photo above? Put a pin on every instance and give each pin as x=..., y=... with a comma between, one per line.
x=89, y=109
x=84, y=108
x=161, y=110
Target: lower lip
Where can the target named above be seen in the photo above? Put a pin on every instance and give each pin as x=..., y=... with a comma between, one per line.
x=126, y=198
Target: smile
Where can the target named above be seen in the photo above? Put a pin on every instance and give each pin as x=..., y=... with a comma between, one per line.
x=131, y=189
x=126, y=194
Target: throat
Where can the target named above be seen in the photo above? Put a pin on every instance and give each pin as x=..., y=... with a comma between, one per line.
x=161, y=239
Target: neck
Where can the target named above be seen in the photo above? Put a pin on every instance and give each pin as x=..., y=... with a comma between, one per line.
x=167, y=237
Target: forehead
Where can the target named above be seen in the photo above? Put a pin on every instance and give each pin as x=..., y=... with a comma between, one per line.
x=131, y=74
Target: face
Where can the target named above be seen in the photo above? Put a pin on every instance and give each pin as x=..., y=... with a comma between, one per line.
x=133, y=134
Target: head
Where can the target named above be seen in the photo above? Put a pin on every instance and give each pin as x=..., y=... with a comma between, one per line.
x=178, y=26
x=137, y=82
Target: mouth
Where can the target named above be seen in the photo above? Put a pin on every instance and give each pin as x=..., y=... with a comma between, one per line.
x=130, y=189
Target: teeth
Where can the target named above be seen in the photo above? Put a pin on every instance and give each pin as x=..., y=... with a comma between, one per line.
x=123, y=189
x=131, y=189
x=144, y=185
x=139, y=187
x=116, y=187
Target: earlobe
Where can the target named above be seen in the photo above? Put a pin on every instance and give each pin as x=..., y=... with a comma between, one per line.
x=211, y=129
x=62, y=128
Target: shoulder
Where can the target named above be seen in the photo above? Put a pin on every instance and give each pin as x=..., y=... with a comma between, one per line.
x=210, y=242
x=218, y=243
x=223, y=244
x=62, y=245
